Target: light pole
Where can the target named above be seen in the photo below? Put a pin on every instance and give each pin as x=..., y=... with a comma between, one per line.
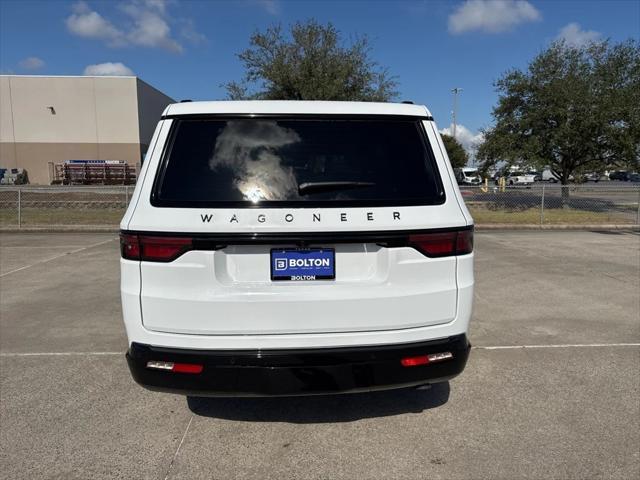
x=455, y=92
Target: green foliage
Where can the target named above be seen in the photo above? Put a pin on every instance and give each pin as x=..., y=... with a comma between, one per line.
x=457, y=154
x=576, y=109
x=312, y=63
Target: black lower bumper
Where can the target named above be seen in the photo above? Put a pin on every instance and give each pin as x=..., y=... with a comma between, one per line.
x=297, y=372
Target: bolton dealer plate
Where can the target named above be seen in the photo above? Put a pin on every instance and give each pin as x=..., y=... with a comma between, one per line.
x=303, y=265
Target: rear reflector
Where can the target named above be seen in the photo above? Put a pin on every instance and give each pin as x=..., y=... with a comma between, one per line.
x=415, y=361
x=425, y=359
x=175, y=367
x=153, y=249
x=443, y=244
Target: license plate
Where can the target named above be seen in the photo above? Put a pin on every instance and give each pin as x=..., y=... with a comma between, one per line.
x=303, y=265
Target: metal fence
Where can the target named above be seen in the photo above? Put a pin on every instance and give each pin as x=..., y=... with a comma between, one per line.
x=552, y=204
x=541, y=204
x=58, y=206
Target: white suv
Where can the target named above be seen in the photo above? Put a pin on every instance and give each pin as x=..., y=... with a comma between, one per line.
x=282, y=248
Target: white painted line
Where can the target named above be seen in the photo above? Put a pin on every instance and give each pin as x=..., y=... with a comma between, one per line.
x=563, y=345
x=57, y=256
x=59, y=354
x=31, y=247
x=175, y=455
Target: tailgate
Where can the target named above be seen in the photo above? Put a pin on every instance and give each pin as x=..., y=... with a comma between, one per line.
x=230, y=291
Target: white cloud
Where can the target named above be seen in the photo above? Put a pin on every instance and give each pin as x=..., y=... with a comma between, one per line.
x=147, y=24
x=272, y=7
x=190, y=34
x=574, y=36
x=31, y=63
x=469, y=140
x=491, y=16
x=84, y=22
x=150, y=25
x=108, y=69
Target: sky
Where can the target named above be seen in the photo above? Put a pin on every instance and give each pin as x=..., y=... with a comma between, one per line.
x=188, y=48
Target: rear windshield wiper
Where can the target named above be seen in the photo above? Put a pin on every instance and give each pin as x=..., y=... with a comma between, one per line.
x=316, y=187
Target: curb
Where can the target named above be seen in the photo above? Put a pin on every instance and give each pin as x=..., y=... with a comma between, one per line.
x=588, y=227
x=61, y=229
x=478, y=228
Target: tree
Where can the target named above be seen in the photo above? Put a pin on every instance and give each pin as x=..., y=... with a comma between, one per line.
x=574, y=109
x=313, y=63
x=457, y=154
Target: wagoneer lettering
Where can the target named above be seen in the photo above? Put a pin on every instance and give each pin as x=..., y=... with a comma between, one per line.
x=291, y=248
x=290, y=218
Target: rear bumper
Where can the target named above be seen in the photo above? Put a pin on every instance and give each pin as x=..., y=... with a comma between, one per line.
x=297, y=372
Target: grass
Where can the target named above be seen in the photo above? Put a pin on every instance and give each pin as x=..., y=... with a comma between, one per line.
x=33, y=217
x=552, y=216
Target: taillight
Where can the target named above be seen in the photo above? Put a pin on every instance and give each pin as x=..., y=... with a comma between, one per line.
x=163, y=249
x=443, y=244
x=129, y=246
x=153, y=249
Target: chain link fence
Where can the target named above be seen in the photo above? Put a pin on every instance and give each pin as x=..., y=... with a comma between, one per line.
x=552, y=204
x=29, y=207
x=540, y=204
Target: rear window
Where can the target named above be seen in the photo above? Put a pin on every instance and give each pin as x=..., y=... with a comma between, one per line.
x=273, y=162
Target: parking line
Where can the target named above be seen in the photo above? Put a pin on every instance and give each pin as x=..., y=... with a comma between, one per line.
x=562, y=345
x=59, y=354
x=58, y=256
x=175, y=455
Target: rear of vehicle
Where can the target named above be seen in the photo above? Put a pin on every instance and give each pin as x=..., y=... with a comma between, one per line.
x=281, y=248
x=520, y=178
x=621, y=175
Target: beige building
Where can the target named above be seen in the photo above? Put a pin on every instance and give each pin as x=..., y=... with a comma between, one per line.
x=46, y=120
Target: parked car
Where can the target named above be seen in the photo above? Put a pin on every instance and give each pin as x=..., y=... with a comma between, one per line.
x=549, y=176
x=634, y=177
x=621, y=175
x=596, y=177
x=519, y=178
x=537, y=176
x=468, y=176
x=279, y=248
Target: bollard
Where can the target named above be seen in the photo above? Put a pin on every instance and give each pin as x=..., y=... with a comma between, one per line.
x=19, y=208
x=638, y=214
x=542, y=207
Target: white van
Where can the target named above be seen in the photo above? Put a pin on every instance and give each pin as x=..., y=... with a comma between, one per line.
x=468, y=176
x=283, y=248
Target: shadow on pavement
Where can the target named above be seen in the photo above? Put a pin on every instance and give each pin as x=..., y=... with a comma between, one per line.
x=322, y=409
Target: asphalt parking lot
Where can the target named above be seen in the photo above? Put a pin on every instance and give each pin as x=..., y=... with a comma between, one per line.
x=552, y=388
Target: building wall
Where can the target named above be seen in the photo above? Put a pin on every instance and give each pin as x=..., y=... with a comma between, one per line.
x=7, y=146
x=151, y=104
x=96, y=118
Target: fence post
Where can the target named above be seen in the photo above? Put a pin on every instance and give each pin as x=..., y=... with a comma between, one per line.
x=126, y=195
x=542, y=207
x=638, y=214
x=19, y=207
